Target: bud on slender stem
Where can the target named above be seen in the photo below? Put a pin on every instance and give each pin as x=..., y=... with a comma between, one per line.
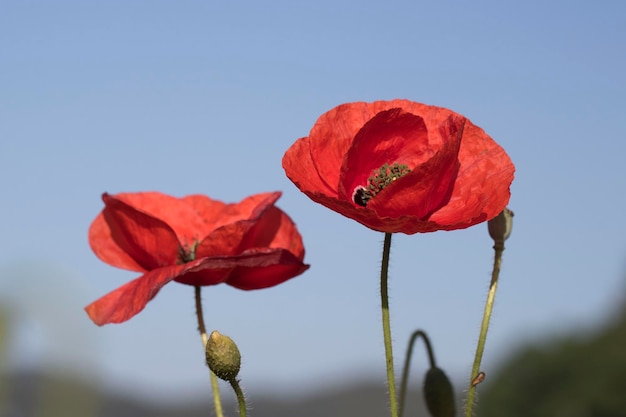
x=500, y=226
x=439, y=394
x=499, y=229
x=222, y=356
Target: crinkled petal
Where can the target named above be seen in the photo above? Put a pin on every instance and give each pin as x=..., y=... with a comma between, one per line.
x=313, y=163
x=302, y=170
x=189, y=217
x=123, y=303
x=207, y=216
x=392, y=136
x=146, y=240
x=429, y=185
x=334, y=131
x=106, y=249
x=228, y=239
x=332, y=136
x=275, y=229
x=482, y=188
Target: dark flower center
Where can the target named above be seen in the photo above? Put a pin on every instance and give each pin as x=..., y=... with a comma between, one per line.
x=381, y=178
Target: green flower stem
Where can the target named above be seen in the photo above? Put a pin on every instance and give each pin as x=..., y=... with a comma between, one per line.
x=407, y=365
x=241, y=400
x=384, y=296
x=205, y=338
x=480, y=348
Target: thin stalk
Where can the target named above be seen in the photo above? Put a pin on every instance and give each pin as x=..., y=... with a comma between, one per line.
x=407, y=365
x=241, y=400
x=384, y=297
x=480, y=348
x=217, y=401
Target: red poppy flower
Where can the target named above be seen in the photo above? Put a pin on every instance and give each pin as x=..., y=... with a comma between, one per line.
x=192, y=240
x=400, y=166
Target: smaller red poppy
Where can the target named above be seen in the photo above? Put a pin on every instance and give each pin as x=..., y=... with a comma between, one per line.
x=193, y=240
x=401, y=166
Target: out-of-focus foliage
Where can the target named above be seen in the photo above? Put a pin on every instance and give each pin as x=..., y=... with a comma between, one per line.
x=581, y=376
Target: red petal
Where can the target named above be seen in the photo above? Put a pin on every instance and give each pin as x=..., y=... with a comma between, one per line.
x=208, y=215
x=129, y=299
x=236, y=222
x=187, y=217
x=482, y=187
x=480, y=191
x=429, y=185
x=332, y=136
x=275, y=229
x=266, y=268
x=215, y=270
x=392, y=136
x=334, y=132
x=302, y=170
x=147, y=240
x=362, y=215
x=107, y=249
x=288, y=237
x=313, y=163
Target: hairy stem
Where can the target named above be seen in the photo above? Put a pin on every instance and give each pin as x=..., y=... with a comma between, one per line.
x=241, y=400
x=205, y=338
x=384, y=297
x=480, y=348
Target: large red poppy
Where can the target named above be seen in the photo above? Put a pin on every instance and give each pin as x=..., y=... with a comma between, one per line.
x=192, y=240
x=401, y=166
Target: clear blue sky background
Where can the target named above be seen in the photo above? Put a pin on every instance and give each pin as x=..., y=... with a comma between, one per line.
x=204, y=97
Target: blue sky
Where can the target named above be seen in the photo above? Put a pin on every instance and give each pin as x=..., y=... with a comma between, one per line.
x=205, y=97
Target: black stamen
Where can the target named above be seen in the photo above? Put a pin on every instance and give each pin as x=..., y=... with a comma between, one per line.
x=381, y=178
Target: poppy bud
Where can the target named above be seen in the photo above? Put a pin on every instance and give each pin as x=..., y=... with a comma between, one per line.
x=439, y=394
x=500, y=226
x=222, y=356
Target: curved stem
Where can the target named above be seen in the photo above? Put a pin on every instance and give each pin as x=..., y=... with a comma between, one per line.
x=241, y=400
x=384, y=296
x=480, y=348
x=205, y=338
x=407, y=365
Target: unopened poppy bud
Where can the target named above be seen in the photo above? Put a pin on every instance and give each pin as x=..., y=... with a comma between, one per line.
x=500, y=226
x=439, y=394
x=222, y=356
